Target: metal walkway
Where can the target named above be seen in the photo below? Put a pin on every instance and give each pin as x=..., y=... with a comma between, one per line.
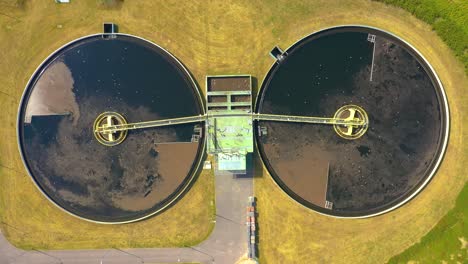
x=255, y=116
x=307, y=119
x=153, y=123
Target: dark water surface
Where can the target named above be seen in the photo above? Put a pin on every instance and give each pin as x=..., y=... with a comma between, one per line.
x=326, y=71
x=125, y=75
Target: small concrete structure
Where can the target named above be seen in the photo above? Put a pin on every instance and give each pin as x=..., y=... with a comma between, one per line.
x=278, y=54
x=229, y=123
x=207, y=165
x=110, y=28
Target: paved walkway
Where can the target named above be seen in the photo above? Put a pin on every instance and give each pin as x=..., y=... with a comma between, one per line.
x=226, y=244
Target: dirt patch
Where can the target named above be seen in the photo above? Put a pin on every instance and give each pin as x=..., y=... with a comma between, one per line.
x=228, y=84
x=217, y=99
x=53, y=94
x=305, y=173
x=240, y=98
x=174, y=163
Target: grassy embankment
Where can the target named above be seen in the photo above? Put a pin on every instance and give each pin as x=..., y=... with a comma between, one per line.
x=447, y=240
x=448, y=18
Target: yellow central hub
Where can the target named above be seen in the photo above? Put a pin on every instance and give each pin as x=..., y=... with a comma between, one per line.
x=351, y=113
x=109, y=137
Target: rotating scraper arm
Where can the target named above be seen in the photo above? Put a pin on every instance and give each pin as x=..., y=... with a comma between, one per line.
x=349, y=122
x=310, y=119
x=112, y=128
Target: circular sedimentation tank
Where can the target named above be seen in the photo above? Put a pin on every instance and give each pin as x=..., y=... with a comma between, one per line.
x=396, y=153
x=134, y=174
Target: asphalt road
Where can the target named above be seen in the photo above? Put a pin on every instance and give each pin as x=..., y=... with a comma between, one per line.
x=226, y=244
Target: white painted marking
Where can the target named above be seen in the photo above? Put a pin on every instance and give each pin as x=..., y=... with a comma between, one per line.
x=372, y=65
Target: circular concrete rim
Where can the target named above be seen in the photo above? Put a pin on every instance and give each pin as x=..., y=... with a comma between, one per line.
x=446, y=124
x=200, y=153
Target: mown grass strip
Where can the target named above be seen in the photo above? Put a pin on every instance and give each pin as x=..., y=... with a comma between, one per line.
x=446, y=242
x=448, y=18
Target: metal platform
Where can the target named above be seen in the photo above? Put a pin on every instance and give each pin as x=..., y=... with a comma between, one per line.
x=229, y=122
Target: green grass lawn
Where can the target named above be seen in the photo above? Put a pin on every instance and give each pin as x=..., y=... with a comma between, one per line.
x=446, y=242
x=448, y=18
